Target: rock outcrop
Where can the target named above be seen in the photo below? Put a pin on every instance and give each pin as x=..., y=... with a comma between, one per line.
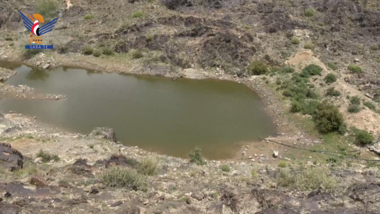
x=10, y=158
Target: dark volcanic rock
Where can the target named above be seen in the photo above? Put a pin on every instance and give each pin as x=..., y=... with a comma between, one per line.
x=118, y=160
x=10, y=158
x=38, y=181
x=104, y=132
x=9, y=209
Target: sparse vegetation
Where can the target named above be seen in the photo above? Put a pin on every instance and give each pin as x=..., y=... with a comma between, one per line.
x=87, y=50
x=124, y=178
x=309, y=45
x=8, y=38
x=47, y=8
x=295, y=41
x=282, y=164
x=148, y=166
x=309, y=12
x=374, y=47
x=354, y=108
x=138, y=14
x=328, y=119
x=257, y=68
x=355, y=100
x=288, y=69
x=330, y=78
x=196, y=157
x=332, y=65
x=355, y=68
x=370, y=105
x=363, y=138
x=46, y=157
x=88, y=16
x=225, y=168
x=332, y=92
x=137, y=54
x=107, y=51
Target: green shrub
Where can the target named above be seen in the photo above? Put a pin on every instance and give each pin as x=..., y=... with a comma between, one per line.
x=46, y=157
x=88, y=16
x=107, y=51
x=97, y=53
x=309, y=45
x=124, y=178
x=282, y=164
x=332, y=92
x=309, y=12
x=288, y=69
x=355, y=100
x=138, y=14
x=311, y=70
x=370, y=105
x=363, y=138
x=295, y=41
x=196, y=157
x=332, y=66
x=278, y=81
x=47, y=8
x=137, y=54
x=8, y=38
x=225, y=168
x=355, y=68
x=257, y=68
x=374, y=47
x=87, y=50
x=148, y=166
x=305, y=107
x=296, y=106
x=327, y=118
x=354, y=108
x=330, y=78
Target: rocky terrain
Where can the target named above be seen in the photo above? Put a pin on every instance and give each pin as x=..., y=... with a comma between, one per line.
x=46, y=170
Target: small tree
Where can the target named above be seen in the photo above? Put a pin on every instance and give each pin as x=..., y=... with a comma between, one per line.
x=196, y=157
x=257, y=68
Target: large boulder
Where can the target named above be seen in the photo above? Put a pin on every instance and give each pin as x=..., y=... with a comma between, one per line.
x=104, y=132
x=10, y=158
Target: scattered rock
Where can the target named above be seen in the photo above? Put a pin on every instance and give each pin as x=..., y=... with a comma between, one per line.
x=116, y=204
x=356, y=60
x=38, y=181
x=94, y=190
x=275, y=154
x=104, y=132
x=38, y=160
x=198, y=195
x=188, y=200
x=46, y=66
x=10, y=158
x=7, y=194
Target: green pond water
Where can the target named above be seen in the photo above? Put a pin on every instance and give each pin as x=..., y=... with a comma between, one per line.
x=154, y=113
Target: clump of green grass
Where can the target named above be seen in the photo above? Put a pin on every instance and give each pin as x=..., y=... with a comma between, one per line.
x=332, y=92
x=370, y=105
x=88, y=17
x=354, y=108
x=332, y=65
x=137, y=54
x=355, y=100
x=282, y=164
x=197, y=157
x=46, y=157
x=374, y=47
x=257, y=68
x=148, y=166
x=355, y=68
x=138, y=14
x=124, y=178
x=363, y=138
x=295, y=41
x=309, y=12
x=330, y=78
x=87, y=50
x=107, y=51
x=306, y=178
x=47, y=8
x=309, y=45
x=225, y=168
x=97, y=53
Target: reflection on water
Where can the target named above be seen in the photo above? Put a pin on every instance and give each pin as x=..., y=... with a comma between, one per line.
x=157, y=114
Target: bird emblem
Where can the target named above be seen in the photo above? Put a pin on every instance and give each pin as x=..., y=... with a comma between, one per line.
x=33, y=25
